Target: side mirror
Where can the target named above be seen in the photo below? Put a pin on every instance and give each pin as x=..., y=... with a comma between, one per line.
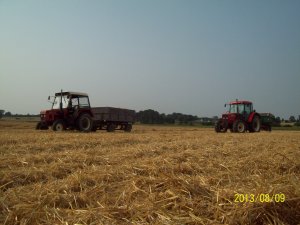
x=225, y=105
x=48, y=98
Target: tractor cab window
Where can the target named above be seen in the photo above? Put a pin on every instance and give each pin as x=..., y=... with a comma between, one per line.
x=74, y=102
x=84, y=102
x=56, y=102
x=233, y=108
x=241, y=108
x=80, y=101
x=248, y=108
x=237, y=108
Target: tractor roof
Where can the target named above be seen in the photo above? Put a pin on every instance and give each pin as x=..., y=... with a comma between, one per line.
x=240, y=102
x=71, y=93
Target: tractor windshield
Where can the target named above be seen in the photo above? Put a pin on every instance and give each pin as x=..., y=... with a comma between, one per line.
x=56, y=102
x=233, y=108
x=236, y=108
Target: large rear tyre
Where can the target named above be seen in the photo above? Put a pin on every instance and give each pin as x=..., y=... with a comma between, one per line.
x=85, y=123
x=255, y=124
x=239, y=126
x=220, y=127
x=59, y=125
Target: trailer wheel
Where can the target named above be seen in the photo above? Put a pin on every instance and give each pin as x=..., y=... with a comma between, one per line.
x=255, y=124
x=58, y=125
x=239, y=126
x=128, y=128
x=219, y=127
x=111, y=127
x=85, y=123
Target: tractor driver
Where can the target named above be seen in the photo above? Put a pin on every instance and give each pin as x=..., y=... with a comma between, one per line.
x=69, y=103
x=73, y=103
x=71, y=106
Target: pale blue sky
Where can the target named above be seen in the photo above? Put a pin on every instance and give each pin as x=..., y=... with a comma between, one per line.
x=167, y=55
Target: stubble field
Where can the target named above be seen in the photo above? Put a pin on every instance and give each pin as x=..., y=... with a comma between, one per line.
x=153, y=175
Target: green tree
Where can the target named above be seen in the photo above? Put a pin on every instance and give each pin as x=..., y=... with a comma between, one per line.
x=1, y=113
x=149, y=116
x=7, y=114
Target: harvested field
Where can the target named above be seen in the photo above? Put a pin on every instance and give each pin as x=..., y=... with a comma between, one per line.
x=153, y=175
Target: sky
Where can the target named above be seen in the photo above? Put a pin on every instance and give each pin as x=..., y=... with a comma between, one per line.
x=182, y=56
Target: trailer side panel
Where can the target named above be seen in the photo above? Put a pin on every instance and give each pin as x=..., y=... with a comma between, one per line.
x=113, y=114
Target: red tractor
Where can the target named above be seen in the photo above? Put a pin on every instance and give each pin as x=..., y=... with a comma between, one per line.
x=72, y=110
x=241, y=118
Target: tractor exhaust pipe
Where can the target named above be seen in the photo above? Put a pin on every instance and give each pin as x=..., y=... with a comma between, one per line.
x=60, y=104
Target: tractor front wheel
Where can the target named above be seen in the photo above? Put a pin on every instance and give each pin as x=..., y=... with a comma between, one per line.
x=43, y=126
x=220, y=127
x=239, y=126
x=58, y=125
x=38, y=126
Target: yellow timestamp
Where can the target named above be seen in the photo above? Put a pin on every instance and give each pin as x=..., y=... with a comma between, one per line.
x=262, y=198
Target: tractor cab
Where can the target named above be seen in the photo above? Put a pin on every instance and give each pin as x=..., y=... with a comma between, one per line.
x=239, y=109
x=66, y=106
x=70, y=101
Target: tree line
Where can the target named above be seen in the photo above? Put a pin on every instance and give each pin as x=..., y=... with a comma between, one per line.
x=9, y=114
x=151, y=116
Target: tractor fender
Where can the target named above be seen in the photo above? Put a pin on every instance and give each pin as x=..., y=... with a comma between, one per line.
x=252, y=115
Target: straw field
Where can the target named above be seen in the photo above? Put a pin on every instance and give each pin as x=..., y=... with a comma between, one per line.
x=153, y=175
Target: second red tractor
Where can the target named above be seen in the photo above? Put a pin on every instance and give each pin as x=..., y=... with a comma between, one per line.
x=241, y=117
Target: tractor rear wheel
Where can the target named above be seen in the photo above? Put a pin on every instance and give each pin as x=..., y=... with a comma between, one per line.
x=85, y=123
x=58, y=125
x=255, y=124
x=219, y=127
x=239, y=126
